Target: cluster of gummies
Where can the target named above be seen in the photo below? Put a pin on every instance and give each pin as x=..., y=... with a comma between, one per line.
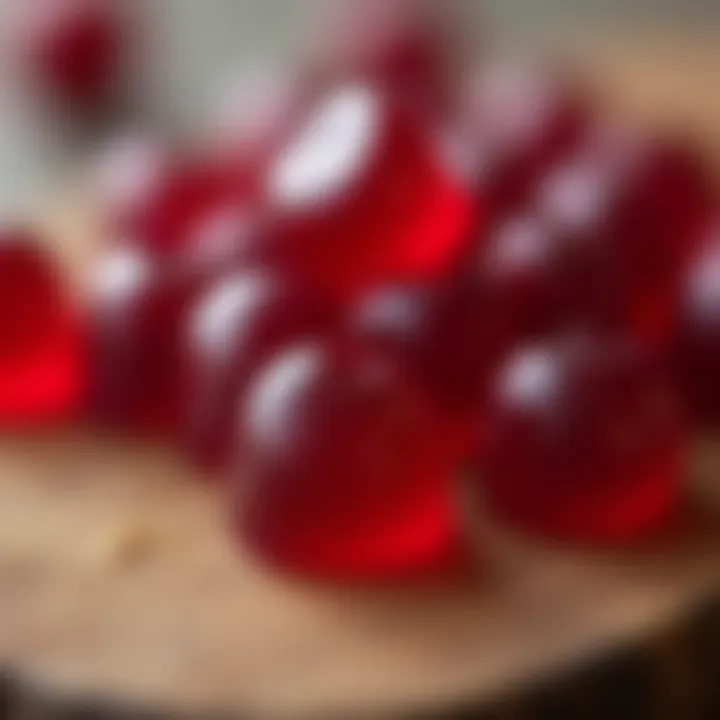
x=375, y=276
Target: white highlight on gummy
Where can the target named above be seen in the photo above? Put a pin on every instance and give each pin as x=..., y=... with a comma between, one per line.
x=219, y=317
x=128, y=171
x=330, y=150
x=220, y=235
x=521, y=245
x=269, y=412
x=392, y=310
x=703, y=289
x=575, y=196
x=122, y=275
x=516, y=99
x=530, y=379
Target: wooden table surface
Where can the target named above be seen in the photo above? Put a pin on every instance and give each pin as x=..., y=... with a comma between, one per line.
x=118, y=583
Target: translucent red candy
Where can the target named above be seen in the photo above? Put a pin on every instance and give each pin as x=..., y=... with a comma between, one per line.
x=697, y=343
x=519, y=124
x=77, y=49
x=155, y=200
x=346, y=474
x=42, y=358
x=449, y=339
x=668, y=188
x=583, y=442
x=404, y=45
x=363, y=194
x=235, y=327
x=138, y=375
x=547, y=278
x=656, y=197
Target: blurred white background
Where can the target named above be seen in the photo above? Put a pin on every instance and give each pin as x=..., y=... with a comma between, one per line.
x=193, y=48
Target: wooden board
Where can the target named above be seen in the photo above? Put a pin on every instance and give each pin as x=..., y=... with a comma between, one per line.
x=118, y=582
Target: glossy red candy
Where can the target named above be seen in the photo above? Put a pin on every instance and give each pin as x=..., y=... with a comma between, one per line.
x=667, y=188
x=449, y=339
x=560, y=266
x=583, y=442
x=520, y=123
x=156, y=203
x=140, y=309
x=223, y=237
x=346, y=474
x=697, y=342
x=549, y=278
x=159, y=201
x=42, y=358
x=77, y=49
x=644, y=205
x=235, y=327
x=363, y=194
x=405, y=45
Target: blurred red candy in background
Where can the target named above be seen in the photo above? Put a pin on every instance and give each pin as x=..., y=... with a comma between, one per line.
x=43, y=362
x=77, y=50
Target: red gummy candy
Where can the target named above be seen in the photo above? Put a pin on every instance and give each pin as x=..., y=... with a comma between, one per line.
x=583, y=442
x=696, y=348
x=363, y=194
x=77, y=48
x=140, y=309
x=404, y=45
x=236, y=326
x=347, y=476
x=42, y=360
x=519, y=124
x=642, y=204
x=450, y=339
x=154, y=200
x=551, y=277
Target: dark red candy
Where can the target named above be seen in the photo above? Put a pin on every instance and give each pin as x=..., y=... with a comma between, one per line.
x=549, y=278
x=154, y=199
x=645, y=203
x=520, y=122
x=235, y=327
x=77, y=48
x=222, y=237
x=559, y=266
x=405, y=45
x=139, y=312
x=346, y=475
x=364, y=194
x=42, y=358
x=668, y=188
x=583, y=203
x=165, y=224
x=583, y=442
x=449, y=339
x=195, y=192
x=669, y=196
x=697, y=343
